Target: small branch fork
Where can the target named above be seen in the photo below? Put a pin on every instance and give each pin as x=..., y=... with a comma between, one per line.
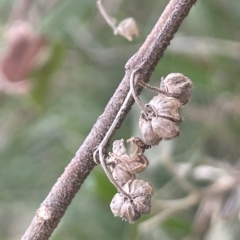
x=62, y=193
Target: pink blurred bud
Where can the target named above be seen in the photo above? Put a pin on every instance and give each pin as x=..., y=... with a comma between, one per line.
x=20, y=58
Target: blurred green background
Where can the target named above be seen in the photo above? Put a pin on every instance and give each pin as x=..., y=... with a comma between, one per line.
x=40, y=131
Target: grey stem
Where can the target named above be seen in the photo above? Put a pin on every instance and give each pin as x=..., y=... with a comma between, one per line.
x=135, y=96
x=105, y=141
x=110, y=20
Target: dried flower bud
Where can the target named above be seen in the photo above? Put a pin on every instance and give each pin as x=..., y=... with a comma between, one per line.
x=127, y=28
x=124, y=167
x=162, y=120
x=177, y=86
x=132, y=209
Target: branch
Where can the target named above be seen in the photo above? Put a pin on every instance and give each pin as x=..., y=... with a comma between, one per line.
x=169, y=208
x=54, y=206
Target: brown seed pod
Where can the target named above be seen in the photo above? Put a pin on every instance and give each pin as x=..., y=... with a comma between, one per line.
x=178, y=86
x=162, y=119
x=124, y=167
x=166, y=107
x=121, y=175
x=148, y=133
x=140, y=203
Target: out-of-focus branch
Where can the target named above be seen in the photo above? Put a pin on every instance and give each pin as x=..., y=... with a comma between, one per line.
x=182, y=181
x=54, y=206
x=170, y=207
x=218, y=199
x=110, y=20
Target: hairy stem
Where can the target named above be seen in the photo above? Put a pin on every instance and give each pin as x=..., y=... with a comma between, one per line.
x=68, y=184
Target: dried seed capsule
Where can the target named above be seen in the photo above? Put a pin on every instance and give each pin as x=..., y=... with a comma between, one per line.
x=132, y=209
x=119, y=148
x=162, y=120
x=124, y=167
x=156, y=129
x=138, y=146
x=164, y=106
x=166, y=128
x=138, y=188
x=121, y=175
x=149, y=135
x=124, y=208
x=178, y=86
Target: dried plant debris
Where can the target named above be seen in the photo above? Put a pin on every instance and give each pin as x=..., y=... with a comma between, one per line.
x=124, y=166
x=124, y=169
x=161, y=122
x=178, y=86
x=140, y=203
x=127, y=28
x=160, y=118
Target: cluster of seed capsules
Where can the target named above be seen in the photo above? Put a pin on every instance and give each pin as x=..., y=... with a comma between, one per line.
x=158, y=121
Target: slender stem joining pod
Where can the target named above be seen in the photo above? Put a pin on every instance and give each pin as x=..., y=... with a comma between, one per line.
x=105, y=141
x=135, y=96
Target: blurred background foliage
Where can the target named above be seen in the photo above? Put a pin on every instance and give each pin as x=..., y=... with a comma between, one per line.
x=42, y=129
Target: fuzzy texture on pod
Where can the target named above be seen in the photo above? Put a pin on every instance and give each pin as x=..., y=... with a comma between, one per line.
x=162, y=119
x=178, y=86
x=124, y=166
x=140, y=203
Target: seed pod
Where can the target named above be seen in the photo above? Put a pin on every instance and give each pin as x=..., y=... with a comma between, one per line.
x=138, y=188
x=162, y=120
x=124, y=208
x=178, y=86
x=149, y=134
x=140, y=203
x=166, y=107
x=121, y=174
x=124, y=167
x=119, y=148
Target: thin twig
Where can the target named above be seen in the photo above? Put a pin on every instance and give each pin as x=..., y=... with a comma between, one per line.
x=110, y=20
x=150, y=87
x=54, y=206
x=135, y=96
x=183, y=182
x=173, y=207
x=105, y=141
